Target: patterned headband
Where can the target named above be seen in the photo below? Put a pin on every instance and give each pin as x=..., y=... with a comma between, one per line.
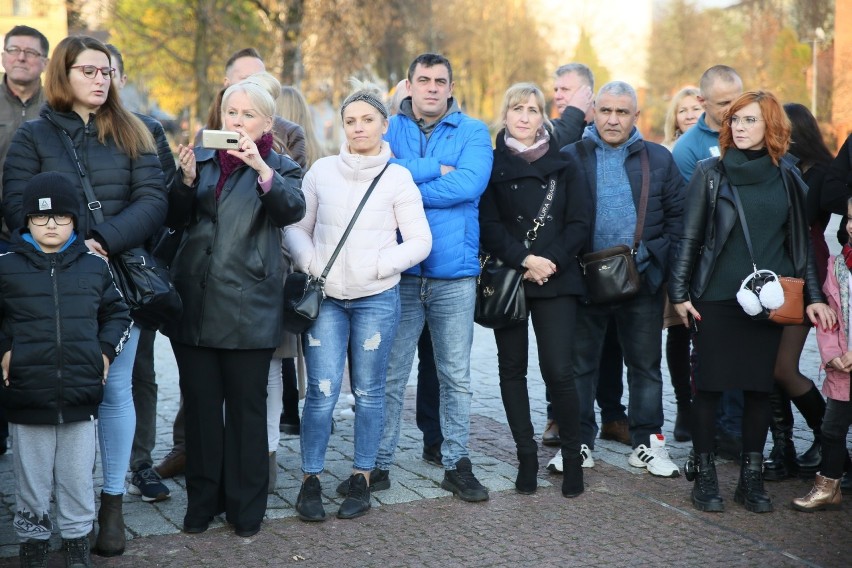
x=368, y=98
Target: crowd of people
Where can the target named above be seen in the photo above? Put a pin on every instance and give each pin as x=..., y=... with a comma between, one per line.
x=394, y=225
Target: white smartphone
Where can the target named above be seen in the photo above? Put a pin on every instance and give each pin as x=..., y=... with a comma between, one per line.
x=220, y=139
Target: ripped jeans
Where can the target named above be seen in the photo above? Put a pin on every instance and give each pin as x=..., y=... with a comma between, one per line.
x=366, y=328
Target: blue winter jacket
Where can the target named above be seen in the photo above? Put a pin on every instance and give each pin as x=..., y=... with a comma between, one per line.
x=451, y=201
x=696, y=144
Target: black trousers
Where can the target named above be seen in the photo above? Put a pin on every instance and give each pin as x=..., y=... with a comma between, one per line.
x=226, y=458
x=553, y=323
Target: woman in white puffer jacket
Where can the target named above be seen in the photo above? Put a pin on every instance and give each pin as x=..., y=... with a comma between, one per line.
x=362, y=308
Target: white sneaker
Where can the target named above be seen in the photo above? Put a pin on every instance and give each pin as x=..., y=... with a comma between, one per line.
x=555, y=465
x=586, y=454
x=655, y=459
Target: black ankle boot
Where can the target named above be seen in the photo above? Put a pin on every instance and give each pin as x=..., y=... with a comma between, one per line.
x=781, y=463
x=527, y=480
x=111, y=538
x=812, y=406
x=750, y=491
x=705, y=492
x=682, y=422
x=572, y=476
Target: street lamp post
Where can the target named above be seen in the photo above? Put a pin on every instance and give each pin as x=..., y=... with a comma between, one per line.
x=819, y=36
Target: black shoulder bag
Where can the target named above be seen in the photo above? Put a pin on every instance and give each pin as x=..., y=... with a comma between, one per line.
x=303, y=293
x=146, y=286
x=500, y=298
x=611, y=274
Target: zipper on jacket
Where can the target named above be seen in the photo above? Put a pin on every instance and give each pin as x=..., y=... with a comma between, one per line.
x=54, y=278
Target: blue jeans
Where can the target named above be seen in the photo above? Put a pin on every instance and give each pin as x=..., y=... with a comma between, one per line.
x=117, y=418
x=447, y=307
x=639, y=324
x=368, y=325
x=428, y=392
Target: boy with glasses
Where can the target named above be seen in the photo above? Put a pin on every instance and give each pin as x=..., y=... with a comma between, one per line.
x=62, y=323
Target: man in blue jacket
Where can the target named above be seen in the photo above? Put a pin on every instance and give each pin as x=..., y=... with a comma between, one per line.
x=607, y=164
x=449, y=155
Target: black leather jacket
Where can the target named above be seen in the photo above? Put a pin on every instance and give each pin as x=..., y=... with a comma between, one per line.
x=710, y=215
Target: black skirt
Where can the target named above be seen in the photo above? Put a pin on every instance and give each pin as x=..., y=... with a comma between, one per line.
x=732, y=351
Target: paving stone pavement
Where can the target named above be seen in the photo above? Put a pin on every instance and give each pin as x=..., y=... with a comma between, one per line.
x=625, y=517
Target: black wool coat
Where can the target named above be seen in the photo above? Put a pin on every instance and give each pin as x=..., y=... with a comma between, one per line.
x=512, y=201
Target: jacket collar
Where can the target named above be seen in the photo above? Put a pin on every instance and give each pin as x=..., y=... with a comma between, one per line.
x=362, y=168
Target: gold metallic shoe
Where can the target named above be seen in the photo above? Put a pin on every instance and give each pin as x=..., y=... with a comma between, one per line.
x=825, y=495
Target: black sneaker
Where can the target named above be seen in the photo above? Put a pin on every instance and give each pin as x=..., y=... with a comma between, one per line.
x=357, y=500
x=309, y=501
x=76, y=552
x=147, y=483
x=463, y=483
x=379, y=481
x=432, y=454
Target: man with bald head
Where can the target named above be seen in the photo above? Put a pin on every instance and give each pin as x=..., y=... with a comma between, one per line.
x=720, y=86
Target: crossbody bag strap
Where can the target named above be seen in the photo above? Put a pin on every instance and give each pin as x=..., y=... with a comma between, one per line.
x=739, y=206
x=92, y=203
x=351, y=223
x=643, y=198
x=539, y=219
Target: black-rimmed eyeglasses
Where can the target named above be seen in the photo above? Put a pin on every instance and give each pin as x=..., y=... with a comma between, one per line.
x=59, y=219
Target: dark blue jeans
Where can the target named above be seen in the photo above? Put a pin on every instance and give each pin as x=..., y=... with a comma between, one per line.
x=639, y=324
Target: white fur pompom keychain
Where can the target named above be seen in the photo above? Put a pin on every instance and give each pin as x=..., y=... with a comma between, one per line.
x=772, y=295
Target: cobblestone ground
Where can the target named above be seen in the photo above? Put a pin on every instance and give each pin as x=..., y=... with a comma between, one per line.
x=626, y=517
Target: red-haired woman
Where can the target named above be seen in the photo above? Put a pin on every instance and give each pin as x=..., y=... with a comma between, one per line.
x=754, y=176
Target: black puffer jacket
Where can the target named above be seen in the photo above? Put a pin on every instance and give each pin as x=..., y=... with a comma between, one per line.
x=513, y=199
x=711, y=214
x=59, y=313
x=228, y=268
x=131, y=192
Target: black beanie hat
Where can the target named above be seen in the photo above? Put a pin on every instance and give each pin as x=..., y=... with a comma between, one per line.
x=51, y=193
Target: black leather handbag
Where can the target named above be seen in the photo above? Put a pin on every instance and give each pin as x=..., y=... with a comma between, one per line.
x=146, y=285
x=500, y=297
x=610, y=274
x=303, y=294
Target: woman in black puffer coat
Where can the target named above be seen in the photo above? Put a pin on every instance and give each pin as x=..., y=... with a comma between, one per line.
x=117, y=153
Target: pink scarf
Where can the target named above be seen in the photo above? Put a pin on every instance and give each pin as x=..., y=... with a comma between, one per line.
x=533, y=152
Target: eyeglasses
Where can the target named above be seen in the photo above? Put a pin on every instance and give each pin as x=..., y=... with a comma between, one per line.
x=58, y=218
x=91, y=71
x=746, y=121
x=28, y=53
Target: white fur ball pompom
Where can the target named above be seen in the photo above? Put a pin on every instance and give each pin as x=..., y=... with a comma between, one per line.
x=772, y=295
x=749, y=301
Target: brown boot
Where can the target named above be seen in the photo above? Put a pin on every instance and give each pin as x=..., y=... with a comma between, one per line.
x=173, y=464
x=111, y=539
x=617, y=430
x=824, y=496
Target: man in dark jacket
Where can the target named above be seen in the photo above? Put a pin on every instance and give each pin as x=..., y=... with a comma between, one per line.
x=24, y=59
x=65, y=320
x=606, y=163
